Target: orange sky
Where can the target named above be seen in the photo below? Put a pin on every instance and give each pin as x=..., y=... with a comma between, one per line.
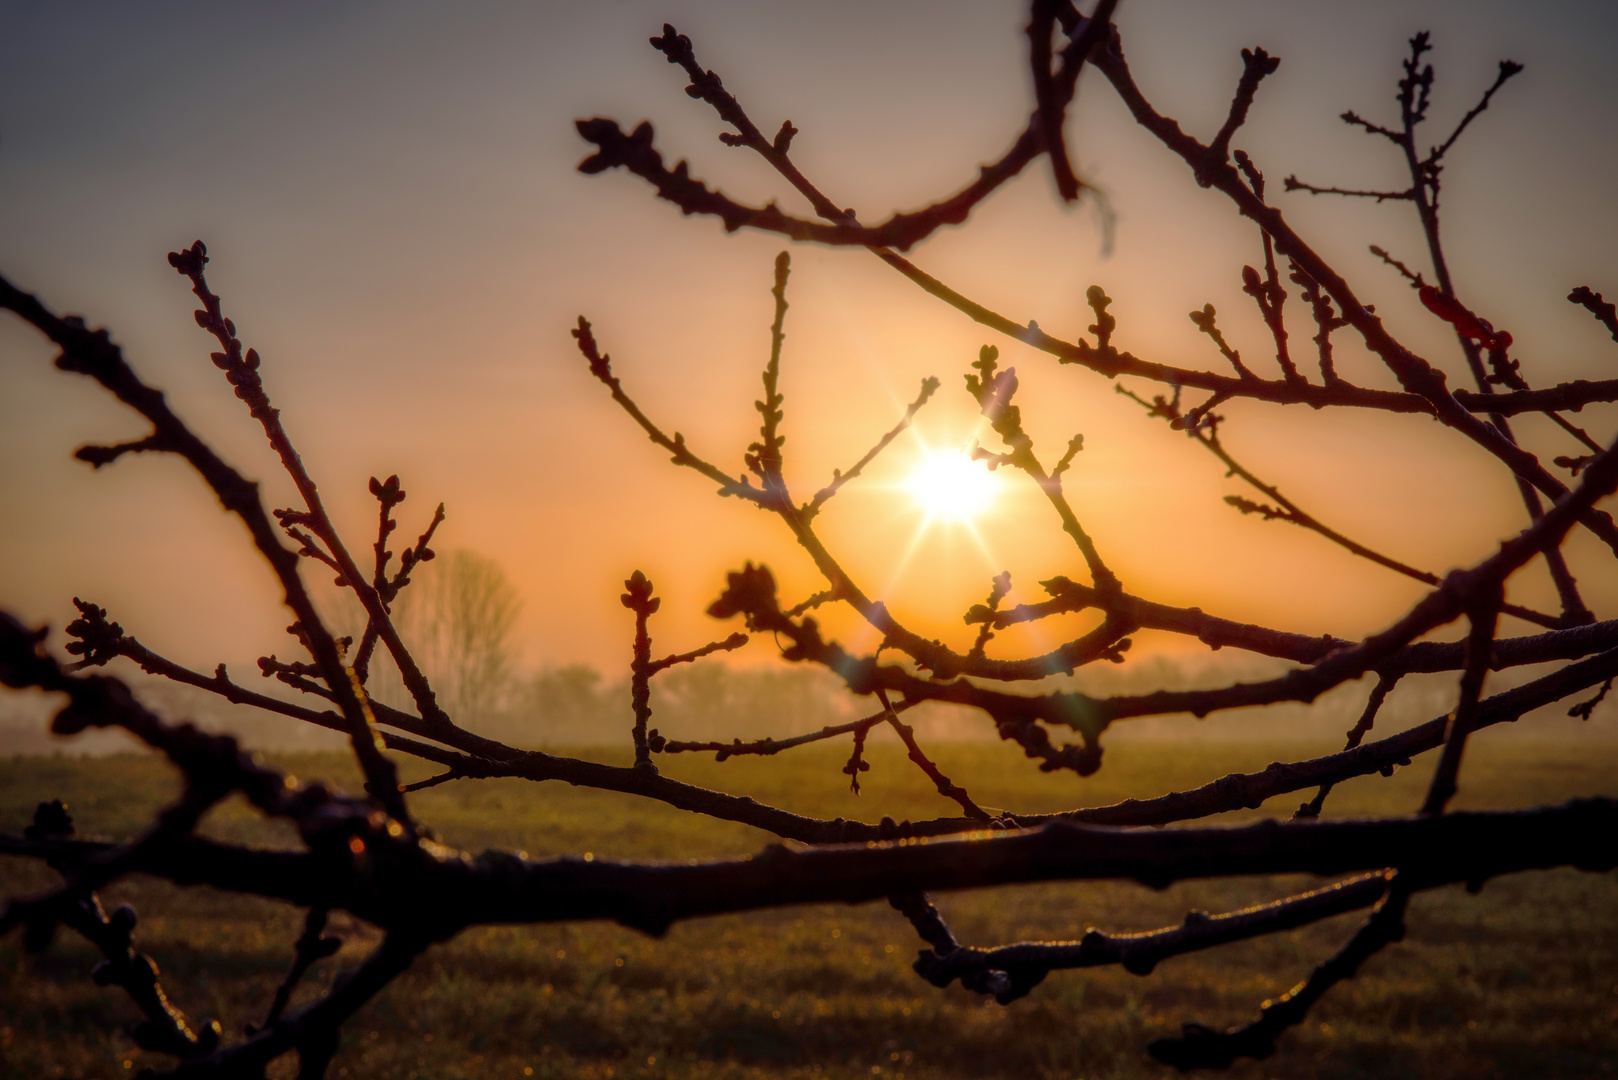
x=389, y=198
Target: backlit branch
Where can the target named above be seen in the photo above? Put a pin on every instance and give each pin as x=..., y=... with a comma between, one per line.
x=993, y=390
x=811, y=508
x=1605, y=313
x=636, y=154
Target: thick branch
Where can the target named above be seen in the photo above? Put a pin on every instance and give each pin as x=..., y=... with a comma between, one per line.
x=409, y=888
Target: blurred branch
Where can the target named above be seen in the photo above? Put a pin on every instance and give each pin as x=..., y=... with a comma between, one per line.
x=1605, y=313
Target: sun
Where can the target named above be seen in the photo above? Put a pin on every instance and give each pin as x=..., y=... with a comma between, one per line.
x=949, y=486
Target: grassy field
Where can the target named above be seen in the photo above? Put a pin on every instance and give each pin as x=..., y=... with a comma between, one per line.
x=1519, y=981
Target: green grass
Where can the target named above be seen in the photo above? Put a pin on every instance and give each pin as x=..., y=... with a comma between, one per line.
x=1521, y=980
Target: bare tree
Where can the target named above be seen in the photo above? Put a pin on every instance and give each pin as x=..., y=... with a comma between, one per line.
x=458, y=620
x=370, y=857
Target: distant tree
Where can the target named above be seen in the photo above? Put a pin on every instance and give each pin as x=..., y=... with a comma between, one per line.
x=457, y=618
x=370, y=857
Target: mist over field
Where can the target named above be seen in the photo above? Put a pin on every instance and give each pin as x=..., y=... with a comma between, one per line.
x=577, y=705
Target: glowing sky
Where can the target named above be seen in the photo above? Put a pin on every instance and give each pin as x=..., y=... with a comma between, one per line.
x=389, y=196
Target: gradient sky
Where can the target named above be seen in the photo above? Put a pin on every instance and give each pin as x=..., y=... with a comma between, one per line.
x=389, y=198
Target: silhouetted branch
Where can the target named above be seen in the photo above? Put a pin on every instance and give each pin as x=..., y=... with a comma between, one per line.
x=983, y=614
x=1288, y=511
x=1294, y=184
x=1404, y=271
x=1326, y=320
x=946, y=787
x=1252, y=790
x=1054, y=91
x=165, y=1029
x=734, y=641
x=1256, y=65
x=1583, y=709
x=1356, y=734
x=639, y=599
x=313, y=1030
x=1605, y=313
x=1508, y=68
x=310, y=948
x=636, y=153
x=438, y=891
x=993, y=391
x=242, y=373
x=1204, y=321
x=601, y=367
x=490, y=758
x=764, y=457
x=767, y=747
x=811, y=508
x=1472, y=332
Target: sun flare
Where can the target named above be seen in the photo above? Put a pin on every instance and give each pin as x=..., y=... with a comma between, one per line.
x=948, y=485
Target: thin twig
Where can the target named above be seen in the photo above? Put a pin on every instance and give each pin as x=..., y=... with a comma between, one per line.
x=1356, y=734
x=946, y=787
x=812, y=507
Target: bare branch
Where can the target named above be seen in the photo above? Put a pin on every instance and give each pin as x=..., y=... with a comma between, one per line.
x=1290, y=512
x=1508, y=68
x=1256, y=65
x=1356, y=734
x=1292, y=183
x=812, y=507
x=946, y=787
x=601, y=367
x=1605, y=313
x=310, y=948
x=366, y=857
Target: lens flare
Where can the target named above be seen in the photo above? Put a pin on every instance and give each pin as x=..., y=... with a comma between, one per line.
x=949, y=486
